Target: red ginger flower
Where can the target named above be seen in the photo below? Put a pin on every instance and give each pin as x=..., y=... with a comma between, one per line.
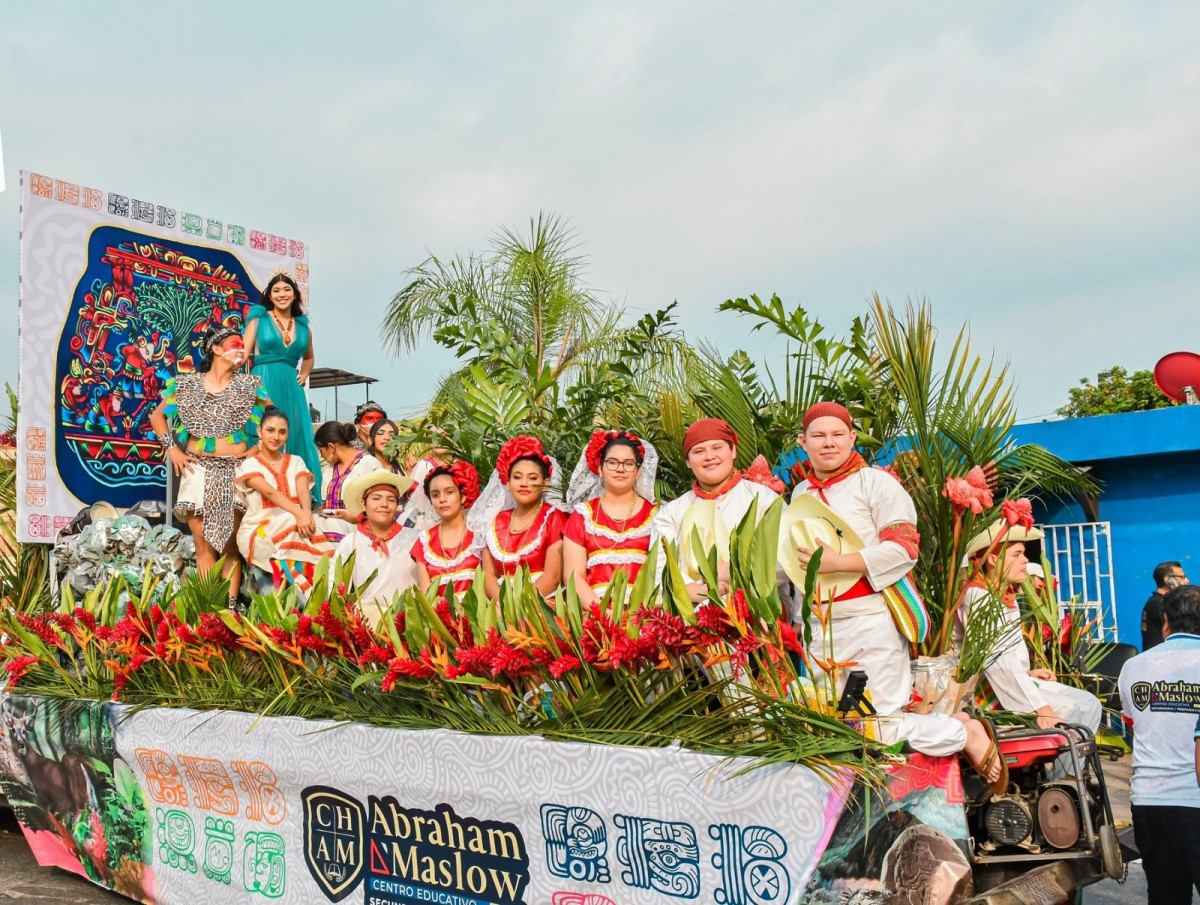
x=17, y=670
x=760, y=473
x=1018, y=512
x=563, y=665
x=214, y=631
x=787, y=634
x=715, y=621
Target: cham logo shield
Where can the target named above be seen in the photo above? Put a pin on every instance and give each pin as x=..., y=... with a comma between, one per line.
x=1140, y=691
x=334, y=840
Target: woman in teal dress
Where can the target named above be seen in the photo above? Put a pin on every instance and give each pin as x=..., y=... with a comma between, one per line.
x=280, y=346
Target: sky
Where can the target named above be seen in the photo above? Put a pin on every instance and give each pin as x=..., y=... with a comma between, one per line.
x=1031, y=169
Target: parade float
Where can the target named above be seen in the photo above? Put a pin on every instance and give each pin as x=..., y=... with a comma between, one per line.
x=526, y=751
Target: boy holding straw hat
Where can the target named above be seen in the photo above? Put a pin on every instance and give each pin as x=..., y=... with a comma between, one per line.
x=864, y=522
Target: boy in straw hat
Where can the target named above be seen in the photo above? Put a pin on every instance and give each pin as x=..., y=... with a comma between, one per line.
x=865, y=523
x=379, y=545
x=999, y=551
x=718, y=501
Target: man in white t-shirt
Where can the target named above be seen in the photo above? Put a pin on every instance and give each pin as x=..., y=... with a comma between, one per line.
x=1160, y=694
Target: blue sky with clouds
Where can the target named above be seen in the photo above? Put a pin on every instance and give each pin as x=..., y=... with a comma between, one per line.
x=1031, y=168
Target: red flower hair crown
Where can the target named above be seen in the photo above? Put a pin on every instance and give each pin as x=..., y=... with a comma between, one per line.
x=601, y=439
x=522, y=447
x=466, y=479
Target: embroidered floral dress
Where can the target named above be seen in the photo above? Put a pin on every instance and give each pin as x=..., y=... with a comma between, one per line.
x=269, y=532
x=612, y=545
x=511, y=550
x=454, y=567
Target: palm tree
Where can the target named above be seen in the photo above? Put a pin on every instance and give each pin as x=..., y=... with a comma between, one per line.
x=539, y=352
x=531, y=286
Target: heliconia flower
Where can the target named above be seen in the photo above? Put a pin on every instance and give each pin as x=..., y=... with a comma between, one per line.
x=787, y=634
x=1018, y=512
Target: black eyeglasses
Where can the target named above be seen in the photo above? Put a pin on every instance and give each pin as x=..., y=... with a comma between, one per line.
x=620, y=464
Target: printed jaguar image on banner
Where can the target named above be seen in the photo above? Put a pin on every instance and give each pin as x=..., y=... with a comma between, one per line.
x=114, y=298
x=137, y=318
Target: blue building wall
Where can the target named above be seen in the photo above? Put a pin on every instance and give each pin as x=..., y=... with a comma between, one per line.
x=1148, y=464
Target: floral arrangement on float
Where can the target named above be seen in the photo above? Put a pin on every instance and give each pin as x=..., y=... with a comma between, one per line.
x=642, y=667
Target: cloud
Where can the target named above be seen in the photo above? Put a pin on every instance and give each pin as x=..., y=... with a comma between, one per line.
x=1029, y=163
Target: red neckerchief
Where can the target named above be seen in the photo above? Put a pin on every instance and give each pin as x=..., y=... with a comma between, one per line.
x=731, y=482
x=855, y=463
x=379, y=545
x=1008, y=598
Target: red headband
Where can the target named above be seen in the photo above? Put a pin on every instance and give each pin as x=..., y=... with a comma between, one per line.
x=601, y=439
x=827, y=410
x=708, y=429
x=522, y=447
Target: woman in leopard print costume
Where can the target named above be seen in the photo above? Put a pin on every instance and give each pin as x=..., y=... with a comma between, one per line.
x=201, y=424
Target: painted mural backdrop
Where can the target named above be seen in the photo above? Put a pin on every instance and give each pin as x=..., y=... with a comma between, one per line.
x=116, y=293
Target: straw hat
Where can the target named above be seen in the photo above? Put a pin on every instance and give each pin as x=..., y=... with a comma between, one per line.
x=805, y=523
x=102, y=510
x=1014, y=534
x=705, y=517
x=356, y=488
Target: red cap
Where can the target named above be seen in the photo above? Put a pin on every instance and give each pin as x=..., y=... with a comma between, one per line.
x=827, y=410
x=708, y=429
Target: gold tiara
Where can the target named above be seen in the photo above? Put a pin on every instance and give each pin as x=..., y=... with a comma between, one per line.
x=281, y=270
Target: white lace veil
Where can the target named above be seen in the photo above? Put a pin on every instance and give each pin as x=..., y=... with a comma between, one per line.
x=496, y=498
x=586, y=485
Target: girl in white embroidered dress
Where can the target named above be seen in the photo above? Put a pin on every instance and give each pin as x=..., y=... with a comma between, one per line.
x=279, y=525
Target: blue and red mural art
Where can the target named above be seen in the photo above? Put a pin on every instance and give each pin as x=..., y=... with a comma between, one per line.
x=137, y=316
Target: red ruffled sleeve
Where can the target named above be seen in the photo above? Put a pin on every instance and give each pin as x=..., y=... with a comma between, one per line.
x=418, y=553
x=574, y=530
x=555, y=523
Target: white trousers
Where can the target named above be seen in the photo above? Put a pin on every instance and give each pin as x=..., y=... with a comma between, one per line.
x=1073, y=705
x=877, y=648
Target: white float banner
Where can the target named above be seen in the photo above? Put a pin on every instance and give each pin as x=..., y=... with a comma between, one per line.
x=243, y=809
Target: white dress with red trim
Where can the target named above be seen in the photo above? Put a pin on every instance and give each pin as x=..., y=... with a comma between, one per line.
x=268, y=532
x=612, y=545
x=391, y=561
x=511, y=550
x=455, y=567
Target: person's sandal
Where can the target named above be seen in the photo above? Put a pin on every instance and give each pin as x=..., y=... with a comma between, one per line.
x=1000, y=785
